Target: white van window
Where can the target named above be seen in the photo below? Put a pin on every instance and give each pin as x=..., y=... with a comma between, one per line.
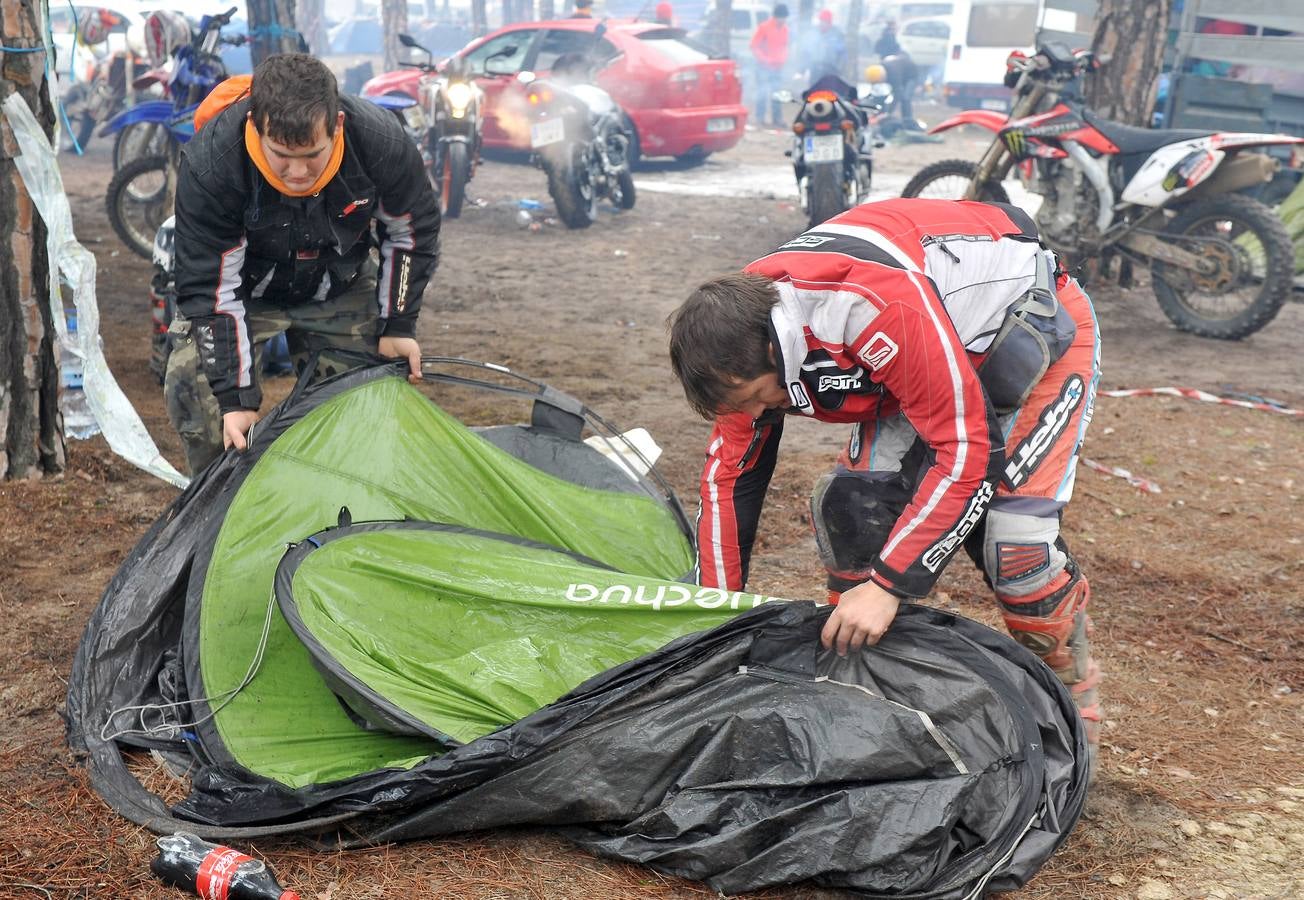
x=1007, y=23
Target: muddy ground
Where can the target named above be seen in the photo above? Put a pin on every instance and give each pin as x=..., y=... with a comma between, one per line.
x=1197, y=590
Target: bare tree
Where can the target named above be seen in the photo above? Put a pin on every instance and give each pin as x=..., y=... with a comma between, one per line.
x=854, y=13
x=1132, y=34
x=393, y=22
x=31, y=428
x=311, y=16
x=720, y=27
x=271, y=29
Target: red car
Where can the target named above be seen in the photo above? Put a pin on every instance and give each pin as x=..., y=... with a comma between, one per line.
x=682, y=102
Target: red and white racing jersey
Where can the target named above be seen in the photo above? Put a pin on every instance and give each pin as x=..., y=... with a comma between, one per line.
x=886, y=308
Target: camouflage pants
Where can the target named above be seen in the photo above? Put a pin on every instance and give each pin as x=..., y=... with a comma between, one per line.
x=348, y=320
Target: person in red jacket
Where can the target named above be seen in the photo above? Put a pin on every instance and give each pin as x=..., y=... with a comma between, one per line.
x=966, y=363
x=770, y=52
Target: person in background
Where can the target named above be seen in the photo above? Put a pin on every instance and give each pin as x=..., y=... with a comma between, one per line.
x=583, y=9
x=965, y=361
x=824, y=49
x=903, y=75
x=665, y=14
x=281, y=198
x=770, y=53
x=887, y=44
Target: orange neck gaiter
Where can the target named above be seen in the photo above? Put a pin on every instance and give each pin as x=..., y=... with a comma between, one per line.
x=254, y=146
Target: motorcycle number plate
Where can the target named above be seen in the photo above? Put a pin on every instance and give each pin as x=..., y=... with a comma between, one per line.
x=549, y=131
x=823, y=148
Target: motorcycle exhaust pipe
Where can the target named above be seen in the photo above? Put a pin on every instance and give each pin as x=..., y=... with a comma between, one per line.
x=1237, y=173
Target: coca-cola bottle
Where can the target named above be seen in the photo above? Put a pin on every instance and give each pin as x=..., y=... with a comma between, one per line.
x=214, y=872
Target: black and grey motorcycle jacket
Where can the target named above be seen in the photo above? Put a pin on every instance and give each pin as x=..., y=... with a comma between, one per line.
x=239, y=239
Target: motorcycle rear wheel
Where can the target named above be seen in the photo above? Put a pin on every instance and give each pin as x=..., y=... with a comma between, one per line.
x=1255, y=266
x=453, y=179
x=948, y=179
x=138, y=202
x=573, y=189
x=825, y=194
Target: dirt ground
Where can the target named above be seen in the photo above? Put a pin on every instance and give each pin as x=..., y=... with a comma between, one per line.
x=1198, y=606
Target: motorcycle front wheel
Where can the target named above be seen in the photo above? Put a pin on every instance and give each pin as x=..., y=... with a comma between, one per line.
x=573, y=187
x=825, y=195
x=1250, y=276
x=452, y=180
x=948, y=180
x=138, y=201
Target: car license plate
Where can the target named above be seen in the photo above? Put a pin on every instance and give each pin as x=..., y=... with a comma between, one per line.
x=823, y=148
x=716, y=125
x=994, y=104
x=549, y=131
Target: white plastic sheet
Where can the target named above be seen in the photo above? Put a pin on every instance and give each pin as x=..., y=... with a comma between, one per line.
x=118, y=420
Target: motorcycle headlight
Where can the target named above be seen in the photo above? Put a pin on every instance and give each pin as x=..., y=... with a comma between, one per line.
x=459, y=98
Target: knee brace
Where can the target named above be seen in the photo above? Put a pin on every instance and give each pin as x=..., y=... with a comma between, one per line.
x=1053, y=623
x=1022, y=553
x=853, y=514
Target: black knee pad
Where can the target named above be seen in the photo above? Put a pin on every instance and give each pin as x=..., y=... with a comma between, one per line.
x=853, y=515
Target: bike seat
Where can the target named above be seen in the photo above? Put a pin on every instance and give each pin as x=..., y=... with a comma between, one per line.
x=1130, y=139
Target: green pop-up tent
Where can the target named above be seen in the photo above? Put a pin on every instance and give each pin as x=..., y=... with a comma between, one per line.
x=382, y=624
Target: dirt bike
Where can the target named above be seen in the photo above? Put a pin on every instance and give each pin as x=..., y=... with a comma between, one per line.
x=578, y=137
x=196, y=68
x=111, y=86
x=142, y=193
x=1220, y=263
x=832, y=148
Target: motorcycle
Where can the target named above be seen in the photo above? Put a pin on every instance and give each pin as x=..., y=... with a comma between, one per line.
x=443, y=118
x=142, y=192
x=578, y=137
x=832, y=148
x=110, y=86
x=1220, y=263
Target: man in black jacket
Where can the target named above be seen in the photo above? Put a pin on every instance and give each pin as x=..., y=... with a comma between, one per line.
x=276, y=197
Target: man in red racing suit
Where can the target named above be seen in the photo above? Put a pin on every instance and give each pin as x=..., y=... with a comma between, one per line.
x=966, y=364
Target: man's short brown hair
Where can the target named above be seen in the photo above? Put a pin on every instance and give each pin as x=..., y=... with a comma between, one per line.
x=290, y=94
x=721, y=336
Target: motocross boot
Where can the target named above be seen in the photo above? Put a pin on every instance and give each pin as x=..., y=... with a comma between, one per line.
x=1053, y=623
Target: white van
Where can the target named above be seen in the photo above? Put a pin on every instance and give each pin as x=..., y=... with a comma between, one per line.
x=983, y=34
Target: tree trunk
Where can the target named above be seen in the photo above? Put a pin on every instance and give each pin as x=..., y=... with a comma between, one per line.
x=311, y=16
x=720, y=27
x=271, y=29
x=393, y=22
x=479, y=18
x=1132, y=34
x=854, y=13
x=31, y=428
